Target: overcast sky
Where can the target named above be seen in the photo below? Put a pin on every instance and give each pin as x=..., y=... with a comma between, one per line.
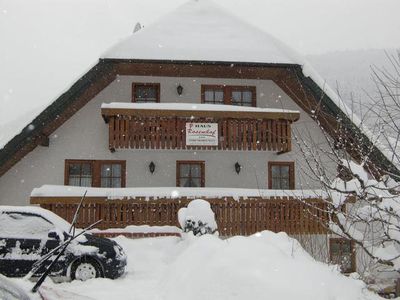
x=45, y=45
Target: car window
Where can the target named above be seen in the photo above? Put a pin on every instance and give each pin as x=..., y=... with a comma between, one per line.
x=23, y=225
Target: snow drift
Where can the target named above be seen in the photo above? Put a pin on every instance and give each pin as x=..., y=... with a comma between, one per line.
x=263, y=266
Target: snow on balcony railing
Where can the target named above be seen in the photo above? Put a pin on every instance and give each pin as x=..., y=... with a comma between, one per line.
x=171, y=192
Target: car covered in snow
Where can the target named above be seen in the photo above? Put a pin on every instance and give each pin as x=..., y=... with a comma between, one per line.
x=28, y=233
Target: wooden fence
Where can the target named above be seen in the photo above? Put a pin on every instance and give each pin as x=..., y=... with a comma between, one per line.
x=243, y=217
x=126, y=132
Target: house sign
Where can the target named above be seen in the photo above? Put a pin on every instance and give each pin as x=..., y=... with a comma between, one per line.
x=201, y=134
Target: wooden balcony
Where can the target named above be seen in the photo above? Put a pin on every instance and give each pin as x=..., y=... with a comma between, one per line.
x=244, y=216
x=140, y=127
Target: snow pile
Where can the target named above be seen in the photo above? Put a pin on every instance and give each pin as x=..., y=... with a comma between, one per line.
x=198, y=218
x=25, y=226
x=262, y=266
x=139, y=229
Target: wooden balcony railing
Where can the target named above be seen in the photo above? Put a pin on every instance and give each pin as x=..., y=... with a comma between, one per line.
x=140, y=129
x=234, y=217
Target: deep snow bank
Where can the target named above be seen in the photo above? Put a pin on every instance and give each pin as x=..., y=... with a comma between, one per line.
x=262, y=266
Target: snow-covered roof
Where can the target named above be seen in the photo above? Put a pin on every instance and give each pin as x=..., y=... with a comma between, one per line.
x=200, y=30
x=168, y=192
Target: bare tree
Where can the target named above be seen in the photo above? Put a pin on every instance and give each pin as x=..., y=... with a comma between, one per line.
x=364, y=196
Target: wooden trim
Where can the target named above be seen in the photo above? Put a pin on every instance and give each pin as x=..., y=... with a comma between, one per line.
x=352, y=250
x=282, y=163
x=110, y=112
x=153, y=84
x=227, y=89
x=192, y=162
x=96, y=170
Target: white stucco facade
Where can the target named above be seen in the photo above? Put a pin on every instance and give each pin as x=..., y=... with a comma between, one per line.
x=85, y=136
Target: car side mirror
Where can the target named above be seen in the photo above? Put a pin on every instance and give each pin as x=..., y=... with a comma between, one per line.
x=54, y=235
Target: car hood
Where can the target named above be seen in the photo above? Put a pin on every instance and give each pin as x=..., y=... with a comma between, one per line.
x=93, y=240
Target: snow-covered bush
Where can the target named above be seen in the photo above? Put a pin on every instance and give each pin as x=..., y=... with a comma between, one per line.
x=198, y=218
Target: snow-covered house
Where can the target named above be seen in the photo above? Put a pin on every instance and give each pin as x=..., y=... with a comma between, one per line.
x=199, y=104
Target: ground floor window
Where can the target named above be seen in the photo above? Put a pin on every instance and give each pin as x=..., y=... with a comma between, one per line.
x=341, y=252
x=190, y=174
x=281, y=175
x=95, y=173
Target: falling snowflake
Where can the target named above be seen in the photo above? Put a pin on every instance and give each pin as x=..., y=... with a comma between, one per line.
x=174, y=194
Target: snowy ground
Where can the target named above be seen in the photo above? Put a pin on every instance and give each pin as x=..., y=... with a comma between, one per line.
x=266, y=265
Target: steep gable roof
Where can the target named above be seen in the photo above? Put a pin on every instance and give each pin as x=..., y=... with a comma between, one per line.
x=201, y=31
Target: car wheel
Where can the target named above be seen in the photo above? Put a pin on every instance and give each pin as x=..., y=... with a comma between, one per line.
x=85, y=269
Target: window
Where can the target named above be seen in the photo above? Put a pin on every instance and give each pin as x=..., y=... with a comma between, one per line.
x=281, y=175
x=80, y=173
x=145, y=92
x=95, y=173
x=190, y=173
x=213, y=94
x=225, y=94
x=242, y=96
x=342, y=253
x=111, y=175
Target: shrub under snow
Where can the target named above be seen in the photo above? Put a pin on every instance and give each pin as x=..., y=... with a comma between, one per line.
x=197, y=217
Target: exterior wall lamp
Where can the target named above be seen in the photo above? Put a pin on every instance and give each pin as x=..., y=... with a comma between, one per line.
x=179, y=89
x=152, y=167
x=238, y=167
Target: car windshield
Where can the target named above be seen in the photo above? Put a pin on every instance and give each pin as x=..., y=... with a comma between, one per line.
x=29, y=221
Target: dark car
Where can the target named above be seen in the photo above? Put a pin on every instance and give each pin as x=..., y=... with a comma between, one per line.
x=28, y=233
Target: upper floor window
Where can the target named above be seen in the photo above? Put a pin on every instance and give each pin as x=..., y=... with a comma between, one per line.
x=226, y=94
x=281, y=175
x=242, y=96
x=145, y=92
x=95, y=173
x=213, y=94
x=190, y=173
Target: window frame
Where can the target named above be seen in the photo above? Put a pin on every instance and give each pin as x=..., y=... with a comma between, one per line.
x=352, y=250
x=228, y=89
x=190, y=162
x=290, y=164
x=146, y=84
x=96, y=170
